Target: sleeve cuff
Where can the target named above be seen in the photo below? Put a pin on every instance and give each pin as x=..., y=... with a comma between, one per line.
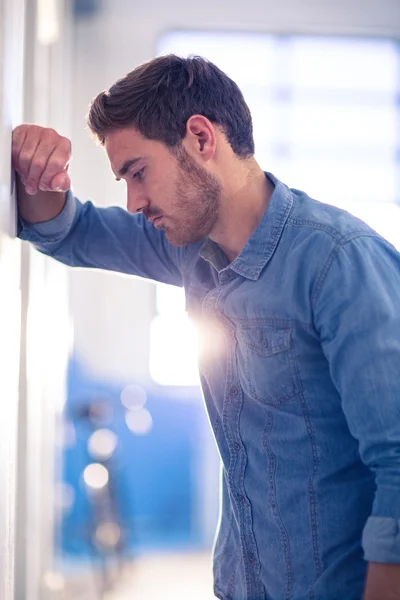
x=381, y=540
x=51, y=230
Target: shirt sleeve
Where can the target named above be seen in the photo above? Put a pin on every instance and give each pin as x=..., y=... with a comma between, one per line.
x=83, y=235
x=357, y=313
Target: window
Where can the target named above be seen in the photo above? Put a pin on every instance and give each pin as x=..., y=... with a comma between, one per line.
x=326, y=120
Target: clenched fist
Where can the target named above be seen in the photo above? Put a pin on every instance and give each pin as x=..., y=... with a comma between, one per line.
x=41, y=157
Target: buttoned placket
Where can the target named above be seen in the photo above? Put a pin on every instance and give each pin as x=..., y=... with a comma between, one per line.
x=232, y=403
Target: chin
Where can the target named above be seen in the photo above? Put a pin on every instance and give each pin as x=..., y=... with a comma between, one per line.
x=180, y=240
x=177, y=241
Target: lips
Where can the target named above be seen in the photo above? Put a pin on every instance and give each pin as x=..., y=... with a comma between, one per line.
x=155, y=220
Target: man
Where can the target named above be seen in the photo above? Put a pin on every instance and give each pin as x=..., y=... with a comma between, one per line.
x=298, y=304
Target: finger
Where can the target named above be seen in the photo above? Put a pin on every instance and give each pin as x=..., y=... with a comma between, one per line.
x=61, y=182
x=48, y=142
x=57, y=163
x=17, y=141
x=28, y=150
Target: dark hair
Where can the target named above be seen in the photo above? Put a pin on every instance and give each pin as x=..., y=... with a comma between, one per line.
x=159, y=96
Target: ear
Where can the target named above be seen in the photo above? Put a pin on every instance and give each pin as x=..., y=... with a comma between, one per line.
x=200, y=139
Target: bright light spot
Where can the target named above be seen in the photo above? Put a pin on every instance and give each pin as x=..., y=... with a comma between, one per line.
x=170, y=300
x=95, y=476
x=173, y=351
x=139, y=421
x=65, y=496
x=108, y=534
x=102, y=444
x=53, y=581
x=133, y=397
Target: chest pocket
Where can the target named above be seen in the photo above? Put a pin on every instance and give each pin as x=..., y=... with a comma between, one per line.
x=266, y=363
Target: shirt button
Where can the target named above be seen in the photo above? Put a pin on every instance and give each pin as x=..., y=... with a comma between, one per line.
x=236, y=446
x=234, y=391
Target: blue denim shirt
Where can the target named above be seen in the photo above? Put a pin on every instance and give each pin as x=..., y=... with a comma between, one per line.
x=300, y=371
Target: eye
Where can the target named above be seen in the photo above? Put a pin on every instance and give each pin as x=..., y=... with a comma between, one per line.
x=138, y=174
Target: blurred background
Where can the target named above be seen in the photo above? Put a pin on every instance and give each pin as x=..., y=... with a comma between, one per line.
x=108, y=469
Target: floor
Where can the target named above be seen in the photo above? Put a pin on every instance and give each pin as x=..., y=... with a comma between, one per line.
x=157, y=576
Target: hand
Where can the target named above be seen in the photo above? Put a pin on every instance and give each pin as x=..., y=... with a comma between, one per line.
x=41, y=158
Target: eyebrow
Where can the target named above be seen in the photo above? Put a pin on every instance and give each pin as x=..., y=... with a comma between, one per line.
x=126, y=166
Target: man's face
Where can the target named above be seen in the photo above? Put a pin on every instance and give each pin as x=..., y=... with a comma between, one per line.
x=172, y=190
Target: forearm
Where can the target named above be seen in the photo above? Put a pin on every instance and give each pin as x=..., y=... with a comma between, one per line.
x=43, y=206
x=383, y=582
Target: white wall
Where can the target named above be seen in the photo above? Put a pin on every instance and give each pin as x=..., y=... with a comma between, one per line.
x=11, y=20
x=44, y=318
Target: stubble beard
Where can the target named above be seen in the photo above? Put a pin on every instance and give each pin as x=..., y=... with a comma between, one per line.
x=197, y=203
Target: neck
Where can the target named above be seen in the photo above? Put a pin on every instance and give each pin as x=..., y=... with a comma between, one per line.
x=243, y=203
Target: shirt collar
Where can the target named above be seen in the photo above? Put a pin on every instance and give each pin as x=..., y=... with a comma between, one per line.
x=263, y=241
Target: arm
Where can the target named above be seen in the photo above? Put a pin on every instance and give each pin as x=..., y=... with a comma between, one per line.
x=383, y=582
x=83, y=235
x=77, y=234
x=39, y=207
x=357, y=313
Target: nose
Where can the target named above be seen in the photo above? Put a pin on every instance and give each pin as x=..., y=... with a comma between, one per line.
x=136, y=202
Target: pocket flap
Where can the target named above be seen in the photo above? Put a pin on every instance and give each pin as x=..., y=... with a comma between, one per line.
x=263, y=339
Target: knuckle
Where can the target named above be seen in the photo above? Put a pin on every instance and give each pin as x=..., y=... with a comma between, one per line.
x=20, y=128
x=66, y=143
x=24, y=157
x=39, y=164
x=34, y=131
x=49, y=134
x=58, y=163
x=17, y=134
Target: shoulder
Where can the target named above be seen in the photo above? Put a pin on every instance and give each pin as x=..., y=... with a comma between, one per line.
x=318, y=236
x=336, y=224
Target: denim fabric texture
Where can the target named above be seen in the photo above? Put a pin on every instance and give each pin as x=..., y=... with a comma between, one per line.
x=300, y=371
